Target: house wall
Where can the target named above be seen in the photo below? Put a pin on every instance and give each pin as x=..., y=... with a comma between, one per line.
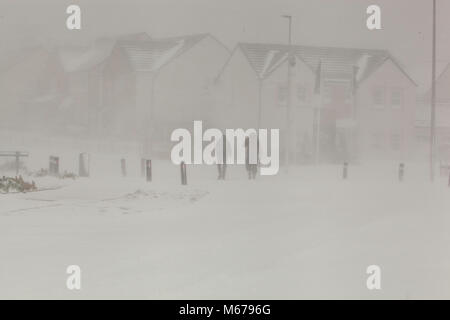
x=78, y=89
x=183, y=89
x=140, y=118
x=386, y=131
x=443, y=87
x=118, y=115
x=21, y=83
x=237, y=101
x=174, y=96
x=236, y=92
x=274, y=108
x=392, y=127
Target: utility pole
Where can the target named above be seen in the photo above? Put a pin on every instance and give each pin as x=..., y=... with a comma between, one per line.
x=433, y=98
x=288, y=93
x=319, y=117
x=149, y=123
x=260, y=82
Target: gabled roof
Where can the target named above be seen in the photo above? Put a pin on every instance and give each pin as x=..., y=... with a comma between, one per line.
x=337, y=63
x=16, y=57
x=442, y=85
x=143, y=52
x=75, y=59
x=152, y=54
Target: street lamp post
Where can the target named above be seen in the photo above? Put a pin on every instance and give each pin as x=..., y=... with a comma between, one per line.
x=288, y=93
x=433, y=97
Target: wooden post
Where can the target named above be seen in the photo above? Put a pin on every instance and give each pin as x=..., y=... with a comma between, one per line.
x=183, y=174
x=83, y=165
x=17, y=163
x=345, y=171
x=123, y=166
x=401, y=172
x=148, y=170
x=54, y=166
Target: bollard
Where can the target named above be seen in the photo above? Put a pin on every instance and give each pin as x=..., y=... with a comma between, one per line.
x=345, y=171
x=83, y=165
x=401, y=172
x=123, y=166
x=53, y=166
x=17, y=163
x=148, y=170
x=183, y=174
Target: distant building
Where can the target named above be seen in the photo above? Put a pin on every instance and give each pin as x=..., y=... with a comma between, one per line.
x=367, y=100
x=442, y=114
x=82, y=106
x=152, y=86
x=32, y=85
x=132, y=87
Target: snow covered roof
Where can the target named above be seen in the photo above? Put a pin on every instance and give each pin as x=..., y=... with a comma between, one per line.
x=442, y=86
x=143, y=52
x=151, y=54
x=337, y=63
x=13, y=58
x=422, y=73
x=83, y=58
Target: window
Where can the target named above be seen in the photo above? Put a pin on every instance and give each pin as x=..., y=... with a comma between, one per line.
x=379, y=97
x=396, y=98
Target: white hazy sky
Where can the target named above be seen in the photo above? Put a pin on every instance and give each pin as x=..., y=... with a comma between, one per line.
x=406, y=23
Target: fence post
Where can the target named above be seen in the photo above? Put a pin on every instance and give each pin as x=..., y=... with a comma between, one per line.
x=183, y=173
x=148, y=170
x=83, y=165
x=123, y=166
x=345, y=171
x=54, y=166
x=401, y=172
x=17, y=162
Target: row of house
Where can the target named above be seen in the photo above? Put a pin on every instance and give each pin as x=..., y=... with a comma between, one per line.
x=132, y=87
x=137, y=88
x=366, y=108
x=442, y=115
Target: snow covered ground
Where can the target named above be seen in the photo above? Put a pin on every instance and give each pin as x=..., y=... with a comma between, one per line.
x=308, y=234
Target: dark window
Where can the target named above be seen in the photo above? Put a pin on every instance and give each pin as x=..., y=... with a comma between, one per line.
x=396, y=98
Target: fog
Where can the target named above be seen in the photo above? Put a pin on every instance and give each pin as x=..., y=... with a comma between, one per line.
x=86, y=151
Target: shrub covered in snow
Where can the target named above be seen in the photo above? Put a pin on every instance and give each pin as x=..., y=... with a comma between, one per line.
x=17, y=184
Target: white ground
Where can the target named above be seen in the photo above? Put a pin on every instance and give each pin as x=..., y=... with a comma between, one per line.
x=304, y=235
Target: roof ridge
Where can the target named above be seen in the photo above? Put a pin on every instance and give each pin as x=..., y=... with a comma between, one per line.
x=312, y=46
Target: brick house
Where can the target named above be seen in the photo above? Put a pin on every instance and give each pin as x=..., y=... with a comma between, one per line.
x=442, y=116
x=152, y=86
x=356, y=87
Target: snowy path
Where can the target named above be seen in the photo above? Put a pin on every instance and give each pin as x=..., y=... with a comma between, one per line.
x=231, y=239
